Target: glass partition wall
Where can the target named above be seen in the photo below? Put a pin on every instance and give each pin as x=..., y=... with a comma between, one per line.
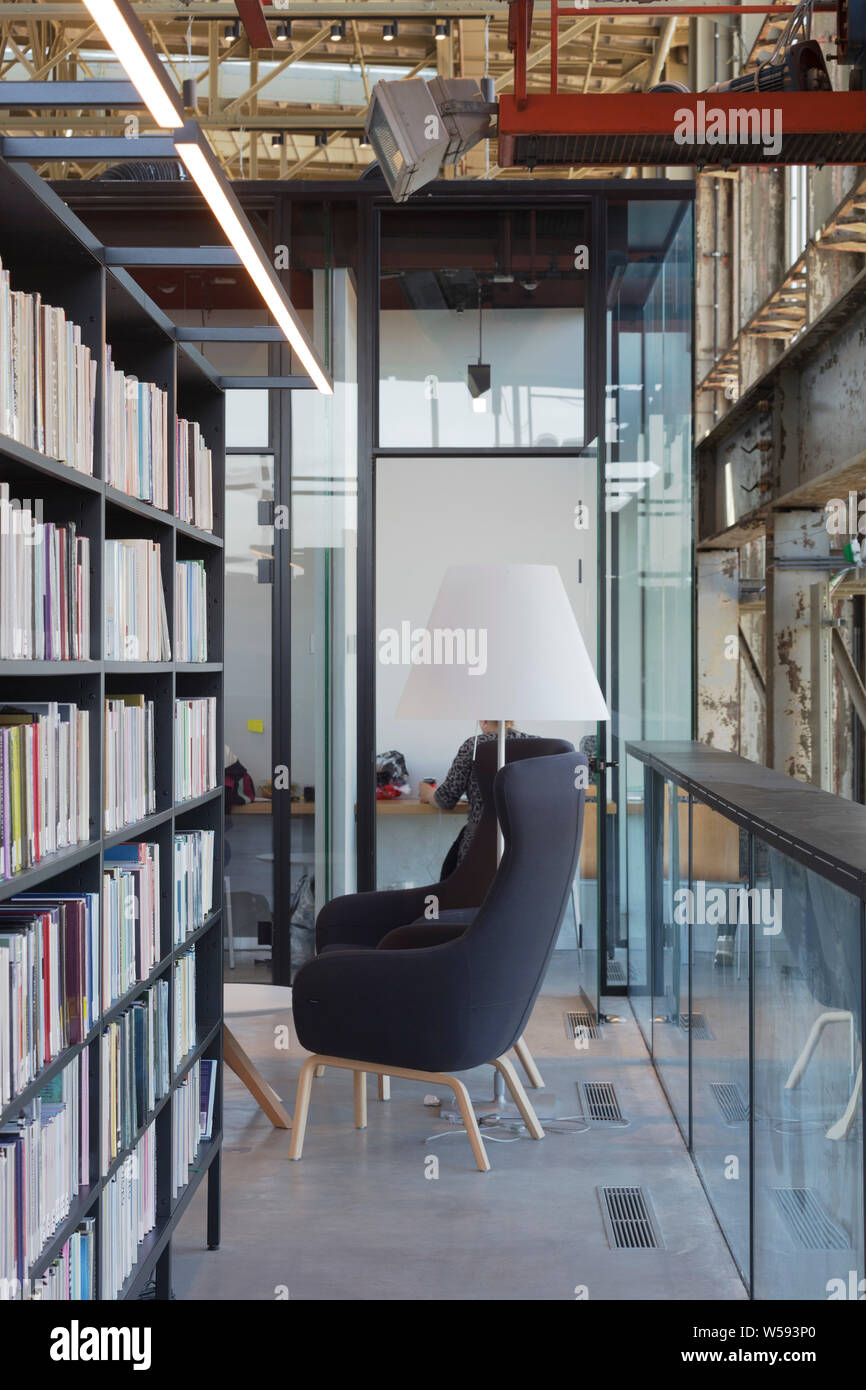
x=757, y=976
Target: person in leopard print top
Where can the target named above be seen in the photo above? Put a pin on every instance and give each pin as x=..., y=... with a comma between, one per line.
x=461, y=780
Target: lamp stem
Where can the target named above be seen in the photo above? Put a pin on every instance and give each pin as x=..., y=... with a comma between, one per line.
x=500, y=762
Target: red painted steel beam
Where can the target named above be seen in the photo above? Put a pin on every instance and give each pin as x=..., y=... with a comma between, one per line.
x=624, y=11
x=252, y=16
x=654, y=113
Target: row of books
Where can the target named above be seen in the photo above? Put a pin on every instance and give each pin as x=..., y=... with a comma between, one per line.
x=129, y=789
x=47, y=379
x=193, y=476
x=195, y=747
x=127, y=1213
x=190, y=610
x=136, y=436
x=44, y=1160
x=184, y=1039
x=185, y=1127
x=130, y=917
x=44, y=584
x=48, y=981
x=136, y=622
x=72, y=1275
x=44, y=781
x=135, y=1070
x=193, y=880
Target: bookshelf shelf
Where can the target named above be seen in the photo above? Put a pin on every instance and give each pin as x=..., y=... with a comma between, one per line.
x=47, y=252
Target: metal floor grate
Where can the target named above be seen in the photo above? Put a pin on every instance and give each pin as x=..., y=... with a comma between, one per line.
x=600, y=1103
x=629, y=1219
x=581, y=1023
x=615, y=973
x=730, y=1101
x=807, y=1221
x=698, y=1025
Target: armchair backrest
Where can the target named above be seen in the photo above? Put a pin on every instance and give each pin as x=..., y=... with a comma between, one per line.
x=469, y=882
x=510, y=942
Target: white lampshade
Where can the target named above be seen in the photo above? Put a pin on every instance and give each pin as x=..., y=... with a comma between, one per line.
x=536, y=666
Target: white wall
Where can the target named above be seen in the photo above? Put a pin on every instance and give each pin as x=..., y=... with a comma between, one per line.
x=432, y=513
x=536, y=360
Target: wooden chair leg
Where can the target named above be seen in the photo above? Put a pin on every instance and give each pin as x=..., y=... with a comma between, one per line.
x=461, y=1095
x=302, y=1106
x=360, y=1099
x=521, y=1099
x=527, y=1061
x=384, y=1087
x=264, y=1095
x=320, y=1070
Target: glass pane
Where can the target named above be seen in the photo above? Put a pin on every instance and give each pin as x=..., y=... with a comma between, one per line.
x=720, y=1020
x=808, y=1154
x=504, y=289
x=671, y=960
x=427, y=519
x=648, y=495
x=248, y=727
x=633, y=902
x=323, y=616
x=247, y=418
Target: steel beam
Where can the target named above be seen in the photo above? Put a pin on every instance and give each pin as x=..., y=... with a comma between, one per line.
x=176, y=257
x=83, y=148
x=266, y=383
x=251, y=333
x=85, y=95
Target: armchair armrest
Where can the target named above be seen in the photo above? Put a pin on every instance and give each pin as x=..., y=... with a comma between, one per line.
x=362, y=919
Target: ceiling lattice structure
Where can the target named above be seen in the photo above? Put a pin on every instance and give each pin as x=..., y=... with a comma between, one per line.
x=296, y=110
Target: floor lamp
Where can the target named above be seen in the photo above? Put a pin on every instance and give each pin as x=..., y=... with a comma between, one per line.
x=502, y=642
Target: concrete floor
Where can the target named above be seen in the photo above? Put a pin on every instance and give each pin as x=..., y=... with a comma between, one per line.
x=357, y=1219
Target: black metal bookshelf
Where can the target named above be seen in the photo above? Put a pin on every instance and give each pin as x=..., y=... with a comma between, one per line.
x=47, y=249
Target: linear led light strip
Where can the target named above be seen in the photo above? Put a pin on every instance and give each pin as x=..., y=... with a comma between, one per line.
x=126, y=36
x=220, y=200
x=130, y=43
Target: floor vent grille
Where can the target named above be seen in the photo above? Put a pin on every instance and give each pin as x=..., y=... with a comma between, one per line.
x=697, y=1025
x=629, y=1219
x=600, y=1104
x=730, y=1101
x=807, y=1221
x=615, y=973
x=581, y=1024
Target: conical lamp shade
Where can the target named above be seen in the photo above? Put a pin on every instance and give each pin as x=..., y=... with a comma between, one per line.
x=523, y=656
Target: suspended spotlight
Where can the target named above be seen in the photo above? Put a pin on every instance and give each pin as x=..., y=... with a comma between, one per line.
x=284, y=32
x=338, y=31
x=321, y=138
x=231, y=32
x=443, y=29
x=363, y=140
x=389, y=31
x=278, y=139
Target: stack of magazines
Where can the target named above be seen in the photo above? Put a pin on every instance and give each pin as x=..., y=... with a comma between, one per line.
x=193, y=880
x=136, y=624
x=130, y=917
x=136, y=436
x=44, y=1158
x=190, y=611
x=129, y=792
x=194, y=747
x=47, y=379
x=193, y=477
x=127, y=1213
x=44, y=781
x=48, y=989
x=185, y=1127
x=44, y=585
x=135, y=1070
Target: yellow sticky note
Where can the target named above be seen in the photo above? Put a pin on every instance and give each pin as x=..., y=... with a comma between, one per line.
x=256, y=726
